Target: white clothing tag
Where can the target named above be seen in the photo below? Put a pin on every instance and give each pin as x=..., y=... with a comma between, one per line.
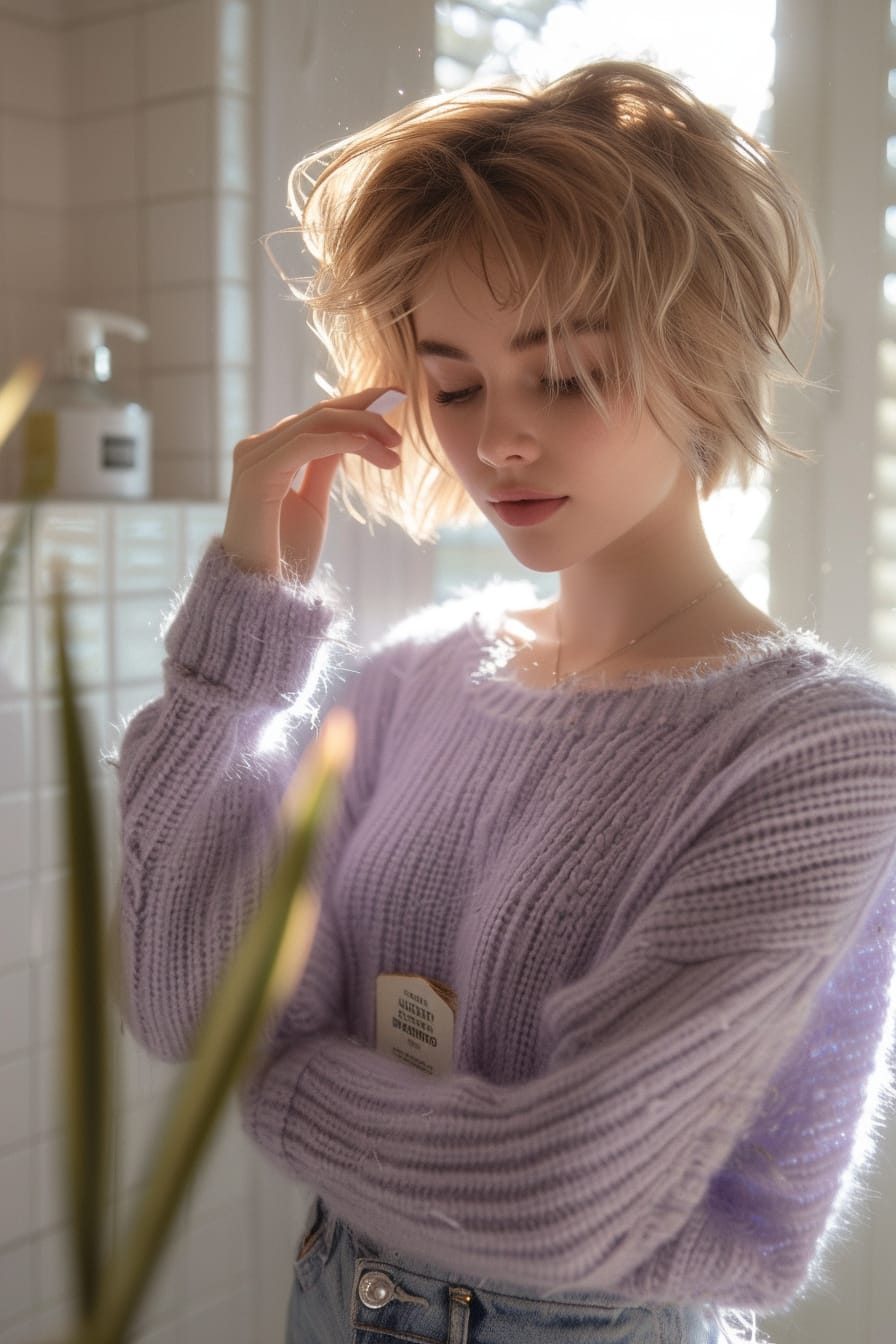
x=415, y=1022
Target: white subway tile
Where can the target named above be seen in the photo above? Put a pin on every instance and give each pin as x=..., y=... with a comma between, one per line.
x=52, y=839
x=169, y=1289
x=169, y=1332
x=88, y=640
x=224, y=1178
x=16, y=749
x=45, y=1064
x=234, y=409
x=181, y=478
x=234, y=133
x=47, y=12
x=129, y=699
x=16, y=1280
x=182, y=408
x=225, y=1321
x=15, y=1208
x=15, y=1102
x=77, y=535
x=32, y=152
x=37, y=326
x=105, y=255
x=16, y=1018
x=31, y=67
x=34, y=250
x=224, y=473
x=49, y=1204
x=48, y=973
x=201, y=522
x=234, y=328
x=94, y=719
x=103, y=68
x=233, y=219
x=104, y=159
x=15, y=651
x=146, y=548
x=181, y=326
x=50, y=890
x=54, y=1266
x=181, y=241
x=218, y=1254
x=15, y=835
x=178, y=145
x=18, y=588
x=92, y=9
x=179, y=48
x=44, y=1323
x=16, y=903
x=138, y=649
x=235, y=46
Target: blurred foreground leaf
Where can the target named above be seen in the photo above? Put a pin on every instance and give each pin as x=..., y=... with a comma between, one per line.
x=259, y=979
x=15, y=396
x=84, y=1045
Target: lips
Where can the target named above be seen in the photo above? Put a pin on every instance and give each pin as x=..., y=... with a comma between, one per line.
x=527, y=512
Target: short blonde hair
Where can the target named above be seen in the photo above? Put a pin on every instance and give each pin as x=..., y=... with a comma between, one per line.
x=647, y=211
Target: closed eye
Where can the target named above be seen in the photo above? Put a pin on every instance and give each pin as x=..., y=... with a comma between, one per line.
x=462, y=394
x=560, y=387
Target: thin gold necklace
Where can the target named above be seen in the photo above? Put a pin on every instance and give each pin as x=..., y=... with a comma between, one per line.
x=571, y=676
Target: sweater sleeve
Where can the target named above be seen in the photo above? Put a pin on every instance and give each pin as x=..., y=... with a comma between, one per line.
x=202, y=770
x=601, y=1171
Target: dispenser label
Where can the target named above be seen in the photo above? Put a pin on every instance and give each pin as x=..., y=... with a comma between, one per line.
x=118, y=451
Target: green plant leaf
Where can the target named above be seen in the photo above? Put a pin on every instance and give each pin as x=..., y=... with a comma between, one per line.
x=86, y=1092
x=260, y=977
x=12, y=548
x=16, y=394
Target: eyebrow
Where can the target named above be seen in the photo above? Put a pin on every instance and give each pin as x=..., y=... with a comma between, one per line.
x=524, y=341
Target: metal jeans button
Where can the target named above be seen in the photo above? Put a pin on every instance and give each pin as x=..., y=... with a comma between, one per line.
x=376, y=1289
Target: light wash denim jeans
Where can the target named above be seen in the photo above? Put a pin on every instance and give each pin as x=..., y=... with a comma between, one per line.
x=346, y=1291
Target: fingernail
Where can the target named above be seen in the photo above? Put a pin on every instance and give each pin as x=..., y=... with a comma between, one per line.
x=387, y=401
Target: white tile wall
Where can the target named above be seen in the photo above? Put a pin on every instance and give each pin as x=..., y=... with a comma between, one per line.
x=103, y=153
x=178, y=146
x=32, y=153
x=31, y=68
x=125, y=176
x=102, y=64
x=181, y=326
x=180, y=48
x=126, y=563
x=34, y=248
x=181, y=241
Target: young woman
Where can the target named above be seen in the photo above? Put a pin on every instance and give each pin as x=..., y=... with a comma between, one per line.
x=588, y=1047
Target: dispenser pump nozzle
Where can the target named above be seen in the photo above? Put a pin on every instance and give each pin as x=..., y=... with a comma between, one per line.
x=86, y=355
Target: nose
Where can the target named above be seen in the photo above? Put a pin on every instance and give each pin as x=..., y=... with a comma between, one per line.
x=506, y=435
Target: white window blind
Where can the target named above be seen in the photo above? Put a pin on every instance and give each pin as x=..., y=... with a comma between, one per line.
x=883, y=496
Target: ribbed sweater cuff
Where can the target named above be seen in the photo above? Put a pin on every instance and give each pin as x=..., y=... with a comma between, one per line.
x=253, y=634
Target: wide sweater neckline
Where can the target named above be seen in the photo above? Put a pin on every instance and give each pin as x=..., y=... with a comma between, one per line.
x=492, y=691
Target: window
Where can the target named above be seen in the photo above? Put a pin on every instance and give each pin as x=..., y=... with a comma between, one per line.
x=726, y=54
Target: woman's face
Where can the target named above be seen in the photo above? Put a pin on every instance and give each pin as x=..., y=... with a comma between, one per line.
x=560, y=483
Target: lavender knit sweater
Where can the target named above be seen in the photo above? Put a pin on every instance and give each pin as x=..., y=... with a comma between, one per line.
x=667, y=911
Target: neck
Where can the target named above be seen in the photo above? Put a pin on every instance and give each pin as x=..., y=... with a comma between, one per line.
x=628, y=587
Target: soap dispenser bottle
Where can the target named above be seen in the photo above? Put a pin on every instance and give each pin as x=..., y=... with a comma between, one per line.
x=81, y=441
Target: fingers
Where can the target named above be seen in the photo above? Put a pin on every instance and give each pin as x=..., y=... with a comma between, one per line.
x=311, y=434
x=313, y=485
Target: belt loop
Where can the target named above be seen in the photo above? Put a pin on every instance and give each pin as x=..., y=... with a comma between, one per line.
x=458, y=1314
